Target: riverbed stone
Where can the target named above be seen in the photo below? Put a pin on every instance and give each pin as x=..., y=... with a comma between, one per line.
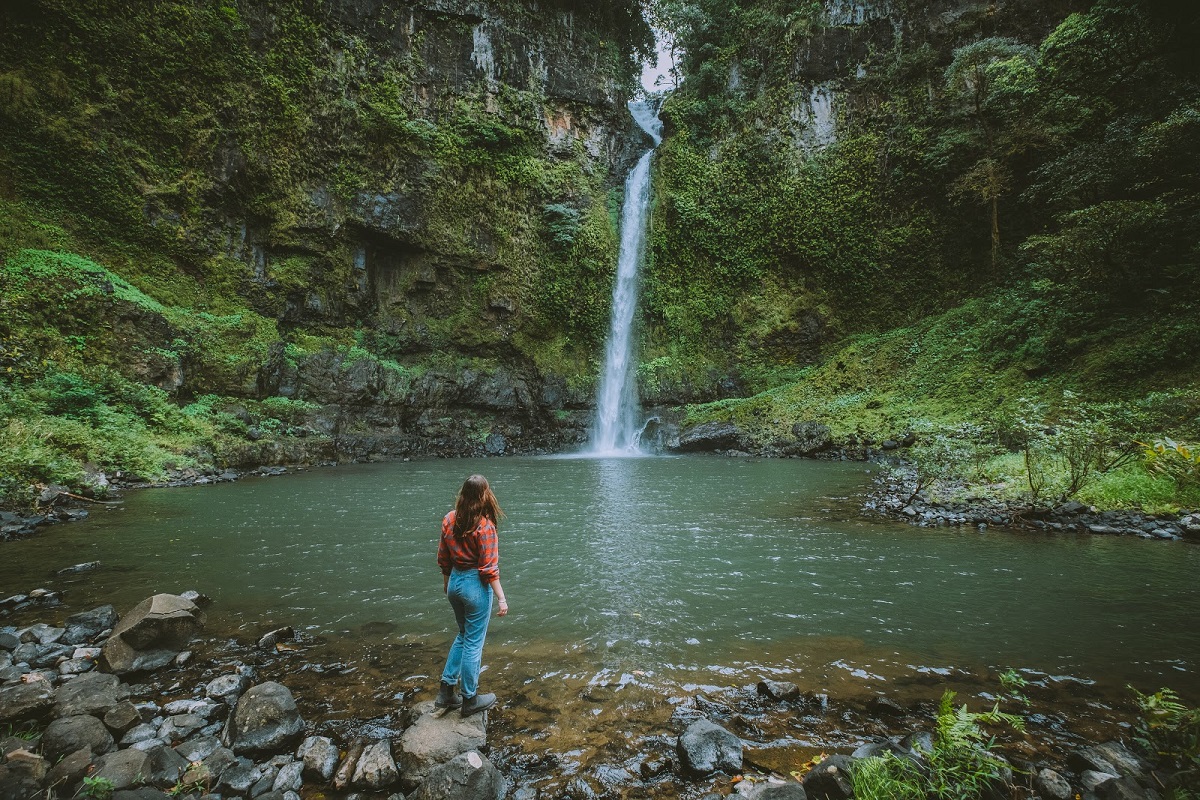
x=70, y=770
x=68, y=734
x=227, y=688
x=778, y=690
x=166, y=766
x=91, y=693
x=238, y=778
x=87, y=625
x=25, y=701
x=152, y=634
x=376, y=769
x=198, y=748
x=1052, y=786
x=705, y=748
x=788, y=790
x=265, y=720
x=1093, y=780
x=830, y=779
x=345, y=771
x=1090, y=759
x=121, y=718
x=22, y=774
x=1126, y=762
x=125, y=768
x=435, y=738
x=179, y=727
x=141, y=793
x=290, y=777
x=319, y=756
x=467, y=776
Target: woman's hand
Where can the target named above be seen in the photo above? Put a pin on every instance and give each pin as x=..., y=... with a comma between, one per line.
x=503, y=608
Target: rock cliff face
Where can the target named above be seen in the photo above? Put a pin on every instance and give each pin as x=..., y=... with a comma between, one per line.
x=395, y=214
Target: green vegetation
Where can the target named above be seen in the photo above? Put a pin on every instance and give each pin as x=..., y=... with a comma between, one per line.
x=1170, y=733
x=96, y=788
x=960, y=766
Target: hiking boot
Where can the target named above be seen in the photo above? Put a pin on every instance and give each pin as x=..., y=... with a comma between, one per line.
x=447, y=697
x=480, y=702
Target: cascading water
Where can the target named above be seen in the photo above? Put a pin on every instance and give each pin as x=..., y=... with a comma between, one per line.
x=615, y=431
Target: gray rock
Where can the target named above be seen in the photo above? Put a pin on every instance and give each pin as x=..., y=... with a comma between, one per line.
x=495, y=444
x=227, y=688
x=1128, y=789
x=87, y=625
x=435, y=738
x=1093, y=781
x=778, y=690
x=1089, y=758
x=1052, y=786
x=376, y=770
x=467, y=776
x=70, y=770
x=92, y=693
x=266, y=782
x=265, y=720
x=1119, y=756
x=830, y=779
x=811, y=437
x=22, y=774
x=218, y=761
x=68, y=734
x=152, y=634
x=706, y=747
x=319, y=756
x=778, y=791
x=345, y=770
x=269, y=640
x=179, y=727
x=198, y=748
x=9, y=641
x=198, y=707
x=709, y=436
x=141, y=793
x=238, y=778
x=166, y=766
x=140, y=733
x=125, y=768
x=290, y=777
x=75, y=666
x=25, y=701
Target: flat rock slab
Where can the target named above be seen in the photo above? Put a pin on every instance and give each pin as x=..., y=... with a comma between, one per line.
x=434, y=739
x=92, y=693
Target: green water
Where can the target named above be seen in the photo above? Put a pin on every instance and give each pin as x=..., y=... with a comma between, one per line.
x=707, y=570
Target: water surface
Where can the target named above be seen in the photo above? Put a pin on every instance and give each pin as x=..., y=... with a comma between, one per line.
x=697, y=570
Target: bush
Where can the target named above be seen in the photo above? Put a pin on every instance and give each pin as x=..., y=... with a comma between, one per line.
x=1170, y=731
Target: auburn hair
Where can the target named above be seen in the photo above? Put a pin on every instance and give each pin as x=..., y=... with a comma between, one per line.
x=475, y=502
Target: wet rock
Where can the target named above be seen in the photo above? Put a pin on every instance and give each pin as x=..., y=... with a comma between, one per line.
x=227, y=688
x=1127, y=789
x=25, y=701
x=376, y=770
x=218, y=761
x=70, y=770
x=319, y=756
x=345, y=771
x=778, y=791
x=706, y=747
x=290, y=777
x=264, y=784
x=76, y=569
x=884, y=706
x=75, y=666
x=830, y=780
x=166, y=766
x=810, y=438
x=42, y=634
x=141, y=793
x=201, y=600
x=467, y=776
x=1090, y=759
x=93, y=693
x=238, y=778
x=269, y=640
x=179, y=727
x=265, y=720
x=139, y=733
x=709, y=436
x=200, y=708
x=198, y=748
x=9, y=641
x=68, y=734
x=434, y=738
x=1116, y=754
x=125, y=768
x=778, y=690
x=1093, y=781
x=1052, y=786
x=152, y=634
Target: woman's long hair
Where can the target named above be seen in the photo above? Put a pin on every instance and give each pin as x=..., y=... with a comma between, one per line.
x=475, y=502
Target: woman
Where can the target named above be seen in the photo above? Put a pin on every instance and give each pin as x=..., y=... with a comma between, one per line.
x=469, y=556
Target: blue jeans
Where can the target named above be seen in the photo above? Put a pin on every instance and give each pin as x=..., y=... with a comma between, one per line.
x=471, y=600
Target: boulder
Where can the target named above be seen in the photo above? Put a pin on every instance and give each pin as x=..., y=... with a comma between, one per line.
x=68, y=734
x=376, y=770
x=435, y=738
x=87, y=625
x=70, y=770
x=778, y=690
x=93, y=693
x=319, y=755
x=265, y=720
x=709, y=436
x=706, y=747
x=467, y=776
x=1052, y=786
x=125, y=768
x=227, y=688
x=25, y=701
x=830, y=779
x=152, y=634
x=811, y=437
x=770, y=790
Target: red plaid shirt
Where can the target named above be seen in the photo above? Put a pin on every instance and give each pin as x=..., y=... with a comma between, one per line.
x=478, y=549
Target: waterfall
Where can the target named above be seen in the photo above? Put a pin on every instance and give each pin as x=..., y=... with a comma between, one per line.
x=615, y=430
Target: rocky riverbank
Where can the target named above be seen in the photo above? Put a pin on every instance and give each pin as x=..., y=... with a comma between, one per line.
x=150, y=704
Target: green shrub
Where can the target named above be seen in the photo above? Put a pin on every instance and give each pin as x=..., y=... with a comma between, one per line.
x=1170, y=732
